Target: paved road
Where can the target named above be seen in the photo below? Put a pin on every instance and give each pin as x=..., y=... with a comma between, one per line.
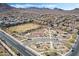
x=77, y=49
x=77, y=53
x=20, y=48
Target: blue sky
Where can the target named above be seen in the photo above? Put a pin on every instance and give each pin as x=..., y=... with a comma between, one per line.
x=65, y=6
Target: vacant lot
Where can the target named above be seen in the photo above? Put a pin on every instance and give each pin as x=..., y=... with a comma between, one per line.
x=22, y=27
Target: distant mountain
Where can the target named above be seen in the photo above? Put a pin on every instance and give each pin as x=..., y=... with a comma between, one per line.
x=36, y=8
x=4, y=6
x=58, y=9
x=76, y=9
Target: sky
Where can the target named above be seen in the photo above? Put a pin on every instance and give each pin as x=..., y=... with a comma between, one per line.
x=65, y=6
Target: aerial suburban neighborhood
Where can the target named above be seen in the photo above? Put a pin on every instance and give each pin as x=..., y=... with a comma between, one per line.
x=36, y=31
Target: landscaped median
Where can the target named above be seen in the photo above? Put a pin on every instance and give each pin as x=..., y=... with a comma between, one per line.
x=10, y=52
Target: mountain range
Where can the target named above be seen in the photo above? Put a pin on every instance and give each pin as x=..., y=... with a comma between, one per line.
x=5, y=6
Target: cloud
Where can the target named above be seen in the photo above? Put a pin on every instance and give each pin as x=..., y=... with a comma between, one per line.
x=34, y=5
x=50, y=6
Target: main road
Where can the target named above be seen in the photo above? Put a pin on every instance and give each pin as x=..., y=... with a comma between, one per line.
x=17, y=45
x=76, y=53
